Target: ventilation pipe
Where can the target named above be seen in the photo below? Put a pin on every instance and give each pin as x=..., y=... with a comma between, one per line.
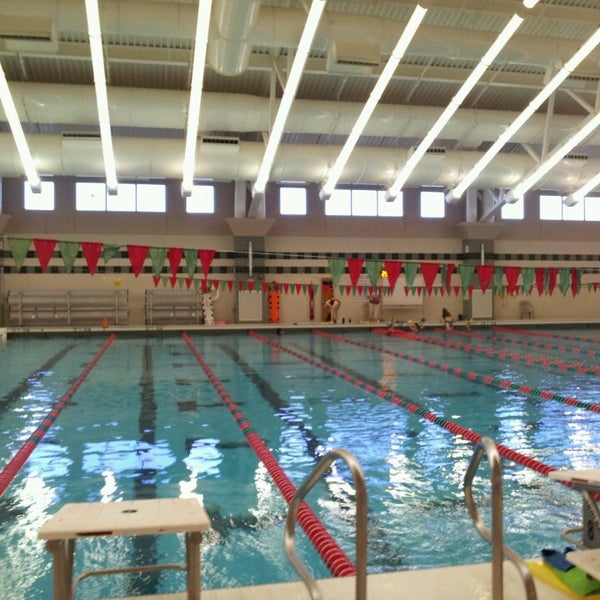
x=228, y=51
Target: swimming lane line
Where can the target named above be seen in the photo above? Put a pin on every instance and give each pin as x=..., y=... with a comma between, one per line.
x=571, y=338
x=528, y=359
x=15, y=464
x=408, y=404
x=333, y=556
x=503, y=384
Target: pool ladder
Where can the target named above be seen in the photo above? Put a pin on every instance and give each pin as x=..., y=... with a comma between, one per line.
x=495, y=536
x=361, y=522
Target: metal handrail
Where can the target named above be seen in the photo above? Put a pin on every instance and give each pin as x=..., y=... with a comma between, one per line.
x=495, y=536
x=361, y=522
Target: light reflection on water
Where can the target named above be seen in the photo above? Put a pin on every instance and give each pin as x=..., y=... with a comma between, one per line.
x=147, y=423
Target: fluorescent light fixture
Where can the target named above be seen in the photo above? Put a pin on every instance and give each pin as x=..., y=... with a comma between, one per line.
x=191, y=138
x=289, y=93
x=583, y=191
x=530, y=3
x=556, y=156
x=95, y=35
x=388, y=72
x=475, y=75
x=8, y=104
x=544, y=94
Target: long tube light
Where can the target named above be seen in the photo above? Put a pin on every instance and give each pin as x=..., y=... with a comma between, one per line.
x=191, y=137
x=553, y=159
x=8, y=104
x=386, y=75
x=289, y=93
x=583, y=191
x=95, y=36
x=475, y=75
x=589, y=45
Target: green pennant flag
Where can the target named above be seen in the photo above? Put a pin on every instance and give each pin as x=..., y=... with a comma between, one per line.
x=180, y=282
x=528, y=277
x=373, y=269
x=315, y=287
x=304, y=288
x=196, y=283
x=19, y=248
x=466, y=274
x=158, y=257
x=336, y=267
x=342, y=289
x=68, y=252
x=564, y=280
x=498, y=284
x=109, y=251
x=164, y=280
x=410, y=271
x=191, y=260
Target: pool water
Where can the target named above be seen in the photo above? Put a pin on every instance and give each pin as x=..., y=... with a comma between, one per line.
x=147, y=422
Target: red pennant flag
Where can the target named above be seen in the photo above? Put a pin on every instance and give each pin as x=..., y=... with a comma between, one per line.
x=156, y=279
x=406, y=290
x=574, y=282
x=137, y=256
x=429, y=272
x=298, y=288
x=44, y=249
x=265, y=286
x=485, y=272
x=348, y=290
x=449, y=270
x=91, y=252
x=188, y=282
x=457, y=290
x=216, y=284
x=286, y=288
x=540, y=273
x=595, y=286
x=512, y=276
x=175, y=256
x=359, y=289
x=470, y=290
x=205, y=287
x=230, y=285
x=552, y=278
x=393, y=268
x=355, y=266
x=173, y=280
x=206, y=258
x=250, y=285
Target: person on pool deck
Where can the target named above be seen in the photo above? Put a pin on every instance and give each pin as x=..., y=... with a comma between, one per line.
x=447, y=318
x=333, y=304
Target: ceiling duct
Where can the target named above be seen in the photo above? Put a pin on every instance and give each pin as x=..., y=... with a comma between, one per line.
x=228, y=52
x=32, y=29
x=79, y=139
x=435, y=150
x=220, y=143
x=345, y=57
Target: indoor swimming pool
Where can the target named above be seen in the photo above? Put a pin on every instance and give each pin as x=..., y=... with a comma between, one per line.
x=149, y=419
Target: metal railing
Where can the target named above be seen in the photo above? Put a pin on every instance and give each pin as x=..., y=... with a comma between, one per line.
x=495, y=536
x=361, y=522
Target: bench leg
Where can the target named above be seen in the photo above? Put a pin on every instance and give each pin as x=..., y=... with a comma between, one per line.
x=62, y=558
x=192, y=553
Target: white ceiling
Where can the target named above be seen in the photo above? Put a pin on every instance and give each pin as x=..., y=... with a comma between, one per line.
x=148, y=50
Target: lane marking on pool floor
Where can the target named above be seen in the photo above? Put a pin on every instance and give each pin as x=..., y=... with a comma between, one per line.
x=333, y=556
x=14, y=465
x=527, y=359
x=488, y=380
x=412, y=406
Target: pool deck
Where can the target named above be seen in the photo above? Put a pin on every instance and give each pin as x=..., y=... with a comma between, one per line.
x=469, y=582
x=288, y=327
